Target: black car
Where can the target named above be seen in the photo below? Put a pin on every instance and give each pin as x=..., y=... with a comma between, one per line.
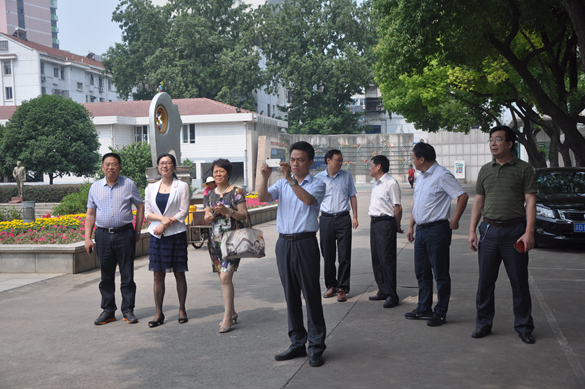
x=560, y=205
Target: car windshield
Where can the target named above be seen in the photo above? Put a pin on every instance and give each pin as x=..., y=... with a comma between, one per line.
x=561, y=182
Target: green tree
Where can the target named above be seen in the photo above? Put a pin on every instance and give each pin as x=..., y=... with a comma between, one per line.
x=197, y=48
x=322, y=53
x=136, y=158
x=531, y=41
x=51, y=135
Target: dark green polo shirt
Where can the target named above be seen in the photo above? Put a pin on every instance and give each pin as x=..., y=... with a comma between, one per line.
x=504, y=187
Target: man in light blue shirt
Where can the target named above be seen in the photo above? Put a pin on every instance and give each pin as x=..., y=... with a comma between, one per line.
x=297, y=251
x=435, y=188
x=335, y=226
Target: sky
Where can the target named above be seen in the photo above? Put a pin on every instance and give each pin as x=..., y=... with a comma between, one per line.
x=86, y=25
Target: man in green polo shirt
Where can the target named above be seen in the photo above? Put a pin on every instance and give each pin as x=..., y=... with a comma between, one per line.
x=503, y=186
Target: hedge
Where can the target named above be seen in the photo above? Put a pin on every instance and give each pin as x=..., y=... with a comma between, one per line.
x=39, y=193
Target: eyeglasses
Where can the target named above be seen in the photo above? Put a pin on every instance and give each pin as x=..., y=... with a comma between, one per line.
x=165, y=163
x=114, y=165
x=496, y=140
x=337, y=160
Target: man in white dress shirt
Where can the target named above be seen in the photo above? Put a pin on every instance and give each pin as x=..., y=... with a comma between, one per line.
x=385, y=213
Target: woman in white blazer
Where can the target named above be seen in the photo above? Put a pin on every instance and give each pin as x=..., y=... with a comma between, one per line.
x=166, y=206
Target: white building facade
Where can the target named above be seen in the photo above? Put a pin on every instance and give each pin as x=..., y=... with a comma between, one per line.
x=30, y=69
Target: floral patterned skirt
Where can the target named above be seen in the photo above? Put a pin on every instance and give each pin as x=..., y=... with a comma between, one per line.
x=214, y=244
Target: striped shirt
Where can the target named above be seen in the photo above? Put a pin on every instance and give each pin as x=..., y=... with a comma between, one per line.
x=504, y=187
x=113, y=204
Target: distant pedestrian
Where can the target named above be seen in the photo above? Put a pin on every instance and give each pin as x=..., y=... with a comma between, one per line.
x=109, y=206
x=209, y=185
x=435, y=188
x=411, y=176
x=335, y=224
x=297, y=251
x=385, y=213
x=503, y=186
x=167, y=205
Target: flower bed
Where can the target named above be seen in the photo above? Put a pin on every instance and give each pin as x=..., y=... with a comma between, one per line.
x=252, y=201
x=46, y=230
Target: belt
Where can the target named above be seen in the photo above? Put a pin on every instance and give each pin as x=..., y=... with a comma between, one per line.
x=302, y=235
x=431, y=224
x=380, y=218
x=117, y=229
x=335, y=215
x=504, y=223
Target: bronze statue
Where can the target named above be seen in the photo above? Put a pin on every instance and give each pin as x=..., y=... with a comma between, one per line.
x=19, y=174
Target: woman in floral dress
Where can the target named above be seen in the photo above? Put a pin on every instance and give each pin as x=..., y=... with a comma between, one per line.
x=224, y=207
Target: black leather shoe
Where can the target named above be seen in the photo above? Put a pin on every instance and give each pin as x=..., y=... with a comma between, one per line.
x=481, y=332
x=316, y=359
x=130, y=318
x=105, y=318
x=415, y=315
x=377, y=297
x=389, y=303
x=527, y=338
x=291, y=353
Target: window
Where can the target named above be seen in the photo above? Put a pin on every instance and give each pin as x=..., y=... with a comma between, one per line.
x=109, y=84
x=92, y=99
x=62, y=73
x=43, y=90
x=3, y=45
x=80, y=86
x=102, y=100
x=100, y=82
x=57, y=92
x=91, y=79
x=141, y=134
x=56, y=71
x=7, y=67
x=8, y=93
x=189, y=133
x=268, y=106
x=43, y=68
x=86, y=98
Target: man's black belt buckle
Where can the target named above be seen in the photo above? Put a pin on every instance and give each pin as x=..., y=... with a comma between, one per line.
x=504, y=223
x=117, y=229
x=380, y=218
x=335, y=215
x=431, y=224
x=302, y=235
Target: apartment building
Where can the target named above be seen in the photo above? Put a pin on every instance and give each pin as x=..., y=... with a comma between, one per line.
x=29, y=69
x=34, y=20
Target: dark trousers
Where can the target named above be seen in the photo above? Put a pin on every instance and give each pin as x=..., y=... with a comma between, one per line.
x=431, y=255
x=116, y=249
x=335, y=233
x=298, y=266
x=496, y=245
x=383, y=249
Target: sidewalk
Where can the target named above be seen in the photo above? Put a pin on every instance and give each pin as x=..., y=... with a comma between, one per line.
x=48, y=338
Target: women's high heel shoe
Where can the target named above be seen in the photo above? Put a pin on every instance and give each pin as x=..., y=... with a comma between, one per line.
x=156, y=323
x=223, y=330
x=235, y=318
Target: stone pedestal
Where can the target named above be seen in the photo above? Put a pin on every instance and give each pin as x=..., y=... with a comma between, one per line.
x=16, y=200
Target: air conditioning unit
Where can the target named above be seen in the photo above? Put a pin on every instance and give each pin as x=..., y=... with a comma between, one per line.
x=101, y=90
x=43, y=78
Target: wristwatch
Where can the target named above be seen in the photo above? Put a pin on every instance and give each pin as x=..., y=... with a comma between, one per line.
x=295, y=182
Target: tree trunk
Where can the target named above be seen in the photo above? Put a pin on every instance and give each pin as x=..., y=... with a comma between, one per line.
x=564, y=150
x=553, y=154
x=526, y=138
x=576, y=11
x=50, y=179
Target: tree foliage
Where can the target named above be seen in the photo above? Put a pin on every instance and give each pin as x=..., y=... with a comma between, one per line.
x=51, y=135
x=321, y=52
x=197, y=48
x=483, y=57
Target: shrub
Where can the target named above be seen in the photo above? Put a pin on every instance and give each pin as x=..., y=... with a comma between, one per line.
x=39, y=193
x=74, y=203
x=9, y=213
